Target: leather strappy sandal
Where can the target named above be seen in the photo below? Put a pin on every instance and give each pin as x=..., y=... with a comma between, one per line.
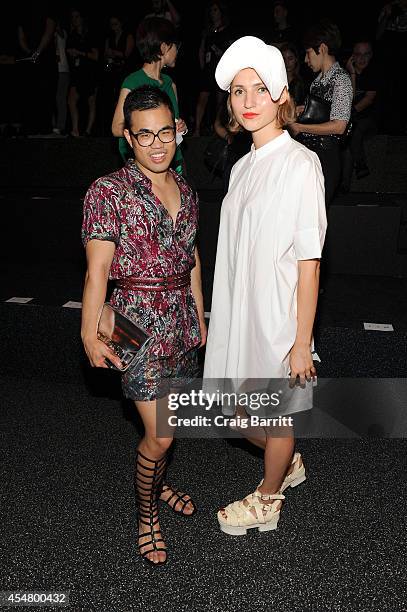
x=251, y=513
x=297, y=476
x=178, y=497
x=148, y=481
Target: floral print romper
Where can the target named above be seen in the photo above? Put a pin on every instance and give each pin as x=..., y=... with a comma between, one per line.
x=122, y=208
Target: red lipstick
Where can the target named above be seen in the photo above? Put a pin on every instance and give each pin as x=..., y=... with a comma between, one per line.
x=250, y=115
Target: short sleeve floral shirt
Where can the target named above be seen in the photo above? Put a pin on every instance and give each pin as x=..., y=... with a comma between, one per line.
x=122, y=208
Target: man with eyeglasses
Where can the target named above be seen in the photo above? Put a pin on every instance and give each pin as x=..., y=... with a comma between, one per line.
x=139, y=229
x=365, y=84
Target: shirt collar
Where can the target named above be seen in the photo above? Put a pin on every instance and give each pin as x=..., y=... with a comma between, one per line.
x=269, y=147
x=138, y=176
x=328, y=75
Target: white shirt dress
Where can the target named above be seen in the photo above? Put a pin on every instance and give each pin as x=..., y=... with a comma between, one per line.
x=272, y=216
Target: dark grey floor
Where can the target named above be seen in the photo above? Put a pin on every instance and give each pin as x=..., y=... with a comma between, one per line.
x=67, y=456
x=68, y=516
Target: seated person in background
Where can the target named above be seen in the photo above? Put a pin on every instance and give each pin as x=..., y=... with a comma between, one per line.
x=296, y=85
x=365, y=83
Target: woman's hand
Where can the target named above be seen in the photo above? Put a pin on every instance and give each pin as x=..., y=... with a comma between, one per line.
x=301, y=363
x=294, y=129
x=97, y=352
x=350, y=65
x=181, y=127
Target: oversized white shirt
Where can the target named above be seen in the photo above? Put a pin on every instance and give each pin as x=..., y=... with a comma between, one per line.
x=272, y=216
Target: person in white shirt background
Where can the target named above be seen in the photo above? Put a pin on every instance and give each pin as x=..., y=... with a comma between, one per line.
x=271, y=235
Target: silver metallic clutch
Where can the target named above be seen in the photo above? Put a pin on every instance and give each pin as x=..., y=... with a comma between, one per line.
x=125, y=338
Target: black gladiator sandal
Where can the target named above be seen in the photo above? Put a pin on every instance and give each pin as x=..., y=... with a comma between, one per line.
x=148, y=483
x=176, y=498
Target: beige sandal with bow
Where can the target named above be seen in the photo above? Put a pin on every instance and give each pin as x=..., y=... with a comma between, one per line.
x=251, y=513
x=296, y=476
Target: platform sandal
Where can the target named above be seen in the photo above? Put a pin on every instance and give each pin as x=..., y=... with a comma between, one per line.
x=251, y=513
x=297, y=476
x=148, y=482
x=178, y=497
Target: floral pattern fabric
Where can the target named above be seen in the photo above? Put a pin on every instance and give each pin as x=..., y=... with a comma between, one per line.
x=122, y=208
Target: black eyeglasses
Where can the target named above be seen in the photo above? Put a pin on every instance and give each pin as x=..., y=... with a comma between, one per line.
x=146, y=139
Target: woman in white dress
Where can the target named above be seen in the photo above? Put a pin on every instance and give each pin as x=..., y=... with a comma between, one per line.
x=265, y=292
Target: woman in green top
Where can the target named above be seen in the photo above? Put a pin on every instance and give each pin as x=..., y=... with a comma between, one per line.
x=156, y=41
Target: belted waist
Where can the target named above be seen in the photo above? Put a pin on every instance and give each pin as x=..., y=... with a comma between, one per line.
x=164, y=283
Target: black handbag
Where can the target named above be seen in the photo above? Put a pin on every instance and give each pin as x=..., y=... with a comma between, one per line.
x=316, y=110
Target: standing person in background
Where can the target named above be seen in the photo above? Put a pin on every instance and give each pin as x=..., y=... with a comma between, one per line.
x=118, y=49
x=139, y=229
x=216, y=38
x=119, y=44
x=282, y=31
x=83, y=54
x=36, y=32
x=391, y=51
x=365, y=83
x=61, y=102
x=332, y=91
x=10, y=104
x=157, y=44
x=166, y=10
x=296, y=85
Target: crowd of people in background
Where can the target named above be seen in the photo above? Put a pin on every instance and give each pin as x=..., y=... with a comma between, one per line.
x=77, y=75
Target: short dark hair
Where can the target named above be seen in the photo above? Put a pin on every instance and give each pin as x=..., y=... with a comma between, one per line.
x=362, y=40
x=144, y=98
x=151, y=33
x=325, y=31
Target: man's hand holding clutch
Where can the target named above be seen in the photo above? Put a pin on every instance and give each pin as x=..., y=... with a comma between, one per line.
x=97, y=352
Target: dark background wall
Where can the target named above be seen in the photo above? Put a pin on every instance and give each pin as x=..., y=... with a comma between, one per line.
x=352, y=18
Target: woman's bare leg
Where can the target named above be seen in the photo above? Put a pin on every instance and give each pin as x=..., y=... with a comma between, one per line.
x=200, y=111
x=91, y=113
x=278, y=453
x=277, y=458
x=73, y=98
